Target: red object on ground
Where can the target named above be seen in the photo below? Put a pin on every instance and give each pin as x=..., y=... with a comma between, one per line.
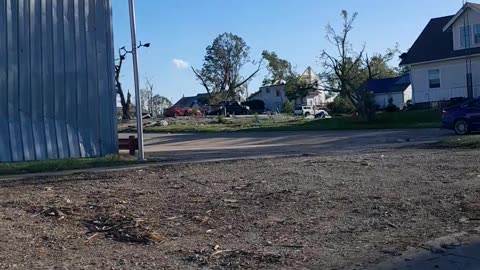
x=174, y=112
x=130, y=144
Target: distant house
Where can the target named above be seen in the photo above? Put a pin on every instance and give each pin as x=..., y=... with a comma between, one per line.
x=398, y=89
x=445, y=59
x=188, y=102
x=274, y=95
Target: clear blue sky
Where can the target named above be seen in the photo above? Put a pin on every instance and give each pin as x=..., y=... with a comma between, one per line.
x=295, y=30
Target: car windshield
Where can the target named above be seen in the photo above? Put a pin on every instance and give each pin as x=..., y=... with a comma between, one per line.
x=298, y=108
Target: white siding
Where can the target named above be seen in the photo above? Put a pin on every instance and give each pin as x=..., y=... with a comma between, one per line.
x=269, y=95
x=453, y=82
x=473, y=18
x=407, y=94
x=273, y=102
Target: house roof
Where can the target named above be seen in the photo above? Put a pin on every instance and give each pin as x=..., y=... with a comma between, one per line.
x=253, y=95
x=435, y=44
x=389, y=85
x=187, y=102
x=467, y=5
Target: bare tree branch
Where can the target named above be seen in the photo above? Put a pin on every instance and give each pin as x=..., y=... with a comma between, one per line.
x=252, y=75
x=204, y=83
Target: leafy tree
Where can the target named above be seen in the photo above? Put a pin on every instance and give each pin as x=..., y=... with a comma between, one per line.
x=287, y=107
x=160, y=103
x=146, y=98
x=402, y=70
x=340, y=105
x=347, y=70
x=297, y=88
x=278, y=69
x=221, y=71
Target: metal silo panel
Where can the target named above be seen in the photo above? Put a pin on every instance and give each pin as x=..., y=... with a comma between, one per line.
x=5, y=153
x=81, y=87
x=111, y=75
x=13, y=81
x=59, y=79
x=48, y=81
x=70, y=78
x=103, y=80
x=36, y=85
x=25, y=98
x=92, y=77
x=57, y=92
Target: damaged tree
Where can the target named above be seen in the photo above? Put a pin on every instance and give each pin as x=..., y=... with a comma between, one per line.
x=347, y=71
x=124, y=102
x=221, y=70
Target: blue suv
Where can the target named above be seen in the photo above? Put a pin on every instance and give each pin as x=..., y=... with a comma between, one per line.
x=463, y=118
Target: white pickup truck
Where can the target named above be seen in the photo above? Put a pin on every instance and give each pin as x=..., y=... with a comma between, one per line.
x=304, y=111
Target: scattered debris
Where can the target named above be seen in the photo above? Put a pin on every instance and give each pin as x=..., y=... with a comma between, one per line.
x=122, y=229
x=163, y=123
x=54, y=212
x=464, y=220
x=292, y=246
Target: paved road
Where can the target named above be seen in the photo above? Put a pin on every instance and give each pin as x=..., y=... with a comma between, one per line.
x=262, y=144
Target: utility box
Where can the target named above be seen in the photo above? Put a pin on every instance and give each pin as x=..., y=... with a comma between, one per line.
x=57, y=88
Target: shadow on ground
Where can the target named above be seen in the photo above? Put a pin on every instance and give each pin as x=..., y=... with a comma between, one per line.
x=194, y=147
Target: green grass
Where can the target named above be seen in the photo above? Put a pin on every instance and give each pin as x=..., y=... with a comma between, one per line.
x=395, y=120
x=62, y=165
x=468, y=142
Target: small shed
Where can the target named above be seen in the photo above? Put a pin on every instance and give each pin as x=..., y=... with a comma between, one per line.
x=57, y=91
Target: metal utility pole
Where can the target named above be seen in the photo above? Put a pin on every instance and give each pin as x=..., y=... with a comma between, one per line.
x=141, y=155
x=468, y=60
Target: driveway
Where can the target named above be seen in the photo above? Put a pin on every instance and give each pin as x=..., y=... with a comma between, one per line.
x=266, y=144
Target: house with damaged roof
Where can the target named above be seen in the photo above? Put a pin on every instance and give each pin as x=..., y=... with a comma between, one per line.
x=445, y=59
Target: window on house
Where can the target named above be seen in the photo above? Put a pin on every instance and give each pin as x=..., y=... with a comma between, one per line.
x=476, y=33
x=268, y=90
x=278, y=93
x=434, y=78
x=465, y=36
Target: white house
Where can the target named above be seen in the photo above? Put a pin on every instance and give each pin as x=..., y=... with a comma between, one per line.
x=274, y=95
x=445, y=59
x=398, y=89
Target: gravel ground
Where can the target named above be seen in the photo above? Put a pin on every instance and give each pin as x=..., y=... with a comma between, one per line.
x=312, y=212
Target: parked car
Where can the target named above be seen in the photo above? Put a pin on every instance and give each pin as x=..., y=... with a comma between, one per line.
x=463, y=118
x=304, y=111
x=174, y=112
x=177, y=111
x=231, y=108
x=322, y=114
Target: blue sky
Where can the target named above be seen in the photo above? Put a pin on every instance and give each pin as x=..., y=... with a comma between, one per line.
x=294, y=29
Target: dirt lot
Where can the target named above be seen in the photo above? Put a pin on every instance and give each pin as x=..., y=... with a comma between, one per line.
x=337, y=212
